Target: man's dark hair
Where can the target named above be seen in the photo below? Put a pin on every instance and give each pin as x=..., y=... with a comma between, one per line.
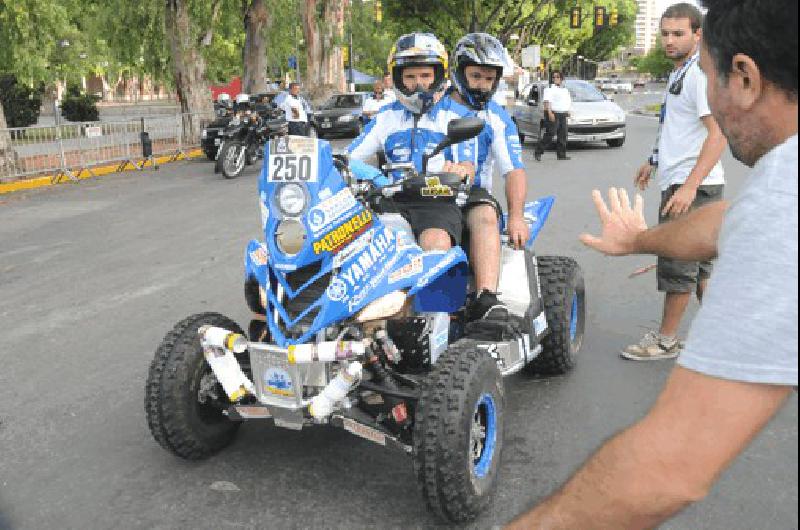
x=684, y=10
x=554, y=73
x=764, y=30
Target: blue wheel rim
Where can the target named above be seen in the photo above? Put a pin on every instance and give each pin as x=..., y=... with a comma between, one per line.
x=573, y=319
x=483, y=436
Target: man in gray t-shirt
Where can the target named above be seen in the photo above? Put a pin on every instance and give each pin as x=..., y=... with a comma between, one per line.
x=740, y=361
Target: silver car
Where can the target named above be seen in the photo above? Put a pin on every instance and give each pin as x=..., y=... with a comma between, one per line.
x=594, y=117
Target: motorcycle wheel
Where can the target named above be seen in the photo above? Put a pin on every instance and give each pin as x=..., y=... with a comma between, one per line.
x=232, y=157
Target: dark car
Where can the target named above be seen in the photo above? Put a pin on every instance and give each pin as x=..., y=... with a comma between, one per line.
x=339, y=116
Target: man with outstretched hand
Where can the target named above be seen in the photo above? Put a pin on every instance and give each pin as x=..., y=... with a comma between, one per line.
x=740, y=360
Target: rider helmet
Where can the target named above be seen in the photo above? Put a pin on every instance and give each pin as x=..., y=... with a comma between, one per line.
x=418, y=49
x=478, y=49
x=242, y=102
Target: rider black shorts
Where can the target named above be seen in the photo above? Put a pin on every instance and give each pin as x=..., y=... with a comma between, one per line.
x=429, y=214
x=479, y=196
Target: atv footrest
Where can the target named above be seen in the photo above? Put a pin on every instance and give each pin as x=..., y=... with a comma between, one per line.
x=495, y=330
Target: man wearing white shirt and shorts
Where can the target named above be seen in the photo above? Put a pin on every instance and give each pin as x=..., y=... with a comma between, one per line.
x=557, y=105
x=689, y=173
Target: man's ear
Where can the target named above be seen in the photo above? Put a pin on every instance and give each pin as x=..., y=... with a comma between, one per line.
x=745, y=81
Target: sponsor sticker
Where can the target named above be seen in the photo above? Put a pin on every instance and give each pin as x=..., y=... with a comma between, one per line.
x=435, y=188
x=278, y=381
x=259, y=256
x=352, y=249
x=343, y=234
x=412, y=268
x=435, y=270
x=330, y=210
x=337, y=290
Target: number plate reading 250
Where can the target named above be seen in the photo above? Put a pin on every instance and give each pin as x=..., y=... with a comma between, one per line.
x=293, y=159
x=291, y=168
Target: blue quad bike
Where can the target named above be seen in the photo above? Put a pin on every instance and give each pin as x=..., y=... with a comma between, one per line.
x=357, y=327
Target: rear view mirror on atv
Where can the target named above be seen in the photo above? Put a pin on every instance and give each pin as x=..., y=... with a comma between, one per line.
x=457, y=131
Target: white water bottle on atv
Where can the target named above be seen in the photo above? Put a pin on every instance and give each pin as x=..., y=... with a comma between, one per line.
x=322, y=404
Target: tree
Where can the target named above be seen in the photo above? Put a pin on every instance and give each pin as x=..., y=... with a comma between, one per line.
x=254, y=54
x=188, y=64
x=323, y=30
x=655, y=63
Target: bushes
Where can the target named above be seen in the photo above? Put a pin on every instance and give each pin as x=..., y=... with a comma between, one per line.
x=21, y=104
x=79, y=107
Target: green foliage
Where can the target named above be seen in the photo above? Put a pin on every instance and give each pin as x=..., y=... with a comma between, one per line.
x=21, y=104
x=655, y=63
x=80, y=107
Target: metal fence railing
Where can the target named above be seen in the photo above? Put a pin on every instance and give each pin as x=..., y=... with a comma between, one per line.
x=67, y=150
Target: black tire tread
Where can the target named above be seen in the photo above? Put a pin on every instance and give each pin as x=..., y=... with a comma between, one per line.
x=555, y=275
x=165, y=420
x=445, y=487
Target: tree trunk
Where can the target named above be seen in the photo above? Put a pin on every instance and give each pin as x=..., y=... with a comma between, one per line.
x=254, y=54
x=7, y=154
x=189, y=67
x=324, y=60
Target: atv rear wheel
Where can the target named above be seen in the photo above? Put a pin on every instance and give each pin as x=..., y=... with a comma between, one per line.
x=178, y=380
x=458, y=432
x=565, y=308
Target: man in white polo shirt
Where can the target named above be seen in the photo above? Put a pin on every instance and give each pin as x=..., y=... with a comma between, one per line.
x=557, y=105
x=689, y=174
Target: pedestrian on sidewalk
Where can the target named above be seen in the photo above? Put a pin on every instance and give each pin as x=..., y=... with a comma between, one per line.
x=557, y=106
x=296, y=109
x=686, y=158
x=740, y=361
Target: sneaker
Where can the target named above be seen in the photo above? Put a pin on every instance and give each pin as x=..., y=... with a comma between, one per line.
x=653, y=347
x=485, y=306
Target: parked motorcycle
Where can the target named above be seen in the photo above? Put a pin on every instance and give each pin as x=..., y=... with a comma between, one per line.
x=243, y=140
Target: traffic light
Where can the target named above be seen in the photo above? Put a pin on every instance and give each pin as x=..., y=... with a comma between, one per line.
x=613, y=20
x=378, y=11
x=575, y=18
x=599, y=17
x=346, y=54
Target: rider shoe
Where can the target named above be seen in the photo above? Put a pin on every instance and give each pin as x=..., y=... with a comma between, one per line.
x=485, y=306
x=653, y=347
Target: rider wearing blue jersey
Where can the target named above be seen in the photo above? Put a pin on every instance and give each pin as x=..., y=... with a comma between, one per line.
x=414, y=125
x=478, y=63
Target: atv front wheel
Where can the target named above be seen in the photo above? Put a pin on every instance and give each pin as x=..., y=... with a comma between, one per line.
x=458, y=432
x=565, y=308
x=183, y=400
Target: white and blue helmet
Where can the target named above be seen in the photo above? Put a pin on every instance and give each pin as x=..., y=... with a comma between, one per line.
x=477, y=49
x=418, y=49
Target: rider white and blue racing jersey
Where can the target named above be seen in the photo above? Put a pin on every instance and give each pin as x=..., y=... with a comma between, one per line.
x=405, y=137
x=498, y=144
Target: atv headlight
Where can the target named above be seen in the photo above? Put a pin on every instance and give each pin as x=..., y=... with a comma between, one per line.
x=291, y=199
x=290, y=236
x=383, y=307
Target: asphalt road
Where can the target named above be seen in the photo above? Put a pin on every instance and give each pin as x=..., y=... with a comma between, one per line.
x=92, y=275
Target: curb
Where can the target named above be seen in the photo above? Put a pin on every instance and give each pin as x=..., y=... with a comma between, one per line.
x=52, y=180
